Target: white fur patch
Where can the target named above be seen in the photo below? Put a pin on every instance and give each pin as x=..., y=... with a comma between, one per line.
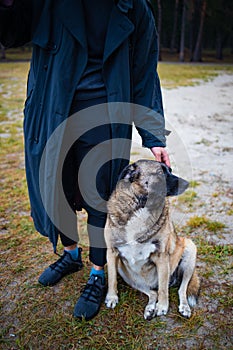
x=192, y=300
x=137, y=254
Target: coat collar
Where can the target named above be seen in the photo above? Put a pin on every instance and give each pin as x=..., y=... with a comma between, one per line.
x=119, y=28
x=125, y=5
x=41, y=31
x=71, y=14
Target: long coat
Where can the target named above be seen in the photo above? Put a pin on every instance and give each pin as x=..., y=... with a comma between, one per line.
x=57, y=32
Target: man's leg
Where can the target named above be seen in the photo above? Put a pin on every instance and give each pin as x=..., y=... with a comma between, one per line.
x=89, y=303
x=70, y=261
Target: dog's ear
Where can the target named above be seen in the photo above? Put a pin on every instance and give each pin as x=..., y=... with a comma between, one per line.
x=175, y=185
x=130, y=173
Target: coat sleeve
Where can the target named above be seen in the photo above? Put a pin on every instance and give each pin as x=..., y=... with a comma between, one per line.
x=15, y=23
x=146, y=89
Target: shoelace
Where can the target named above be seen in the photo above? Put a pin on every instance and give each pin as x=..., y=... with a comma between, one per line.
x=92, y=292
x=60, y=264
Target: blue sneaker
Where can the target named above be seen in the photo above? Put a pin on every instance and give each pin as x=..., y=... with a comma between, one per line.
x=65, y=265
x=89, y=303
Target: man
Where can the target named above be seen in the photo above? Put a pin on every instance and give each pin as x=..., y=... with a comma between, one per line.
x=85, y=53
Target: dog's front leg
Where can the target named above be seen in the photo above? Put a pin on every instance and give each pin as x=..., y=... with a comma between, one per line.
x=163, y=270
x=150, y=310
x=187, y=267
x=111, y=299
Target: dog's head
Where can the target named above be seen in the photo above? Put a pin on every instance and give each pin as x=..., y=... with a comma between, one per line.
x=154, y=178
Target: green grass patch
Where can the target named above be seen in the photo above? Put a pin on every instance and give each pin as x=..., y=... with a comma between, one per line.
x=187, y=197
x=211, y=252
x=175, y=75
x=205, y=223
x=18, y=54
x=194, y=183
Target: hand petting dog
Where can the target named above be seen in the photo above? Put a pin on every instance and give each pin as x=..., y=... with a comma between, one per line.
x=161, y=155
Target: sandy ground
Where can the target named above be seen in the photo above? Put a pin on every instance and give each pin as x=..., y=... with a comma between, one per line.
x=201, y=146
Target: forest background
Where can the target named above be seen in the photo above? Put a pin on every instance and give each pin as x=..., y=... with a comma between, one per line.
x=187, y=27
x=191, y=30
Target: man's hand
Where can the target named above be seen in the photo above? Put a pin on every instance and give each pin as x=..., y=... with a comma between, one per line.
x=161, y=155
x=6, y=3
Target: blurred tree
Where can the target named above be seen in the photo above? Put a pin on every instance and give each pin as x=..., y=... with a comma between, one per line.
x=159, y=26
x=220, y=20
x=194, y=25
x=3, y=52
x=182, y=36
x=197, y=54
x=174, y=30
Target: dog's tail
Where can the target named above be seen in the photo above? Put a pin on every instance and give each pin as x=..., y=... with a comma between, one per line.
x=193, y=290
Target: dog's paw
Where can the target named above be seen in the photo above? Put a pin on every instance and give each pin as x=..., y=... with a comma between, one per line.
x=149, y=312
x=161, y=309
x=185, y=310
x=111, y=300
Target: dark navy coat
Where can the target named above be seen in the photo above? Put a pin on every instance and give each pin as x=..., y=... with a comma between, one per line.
x=57, y=31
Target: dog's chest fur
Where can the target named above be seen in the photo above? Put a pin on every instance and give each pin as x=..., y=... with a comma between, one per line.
x=133, y=253
x=136, y=255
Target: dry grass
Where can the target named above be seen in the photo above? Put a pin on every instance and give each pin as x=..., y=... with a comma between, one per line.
x=33, y=317
x=176, y=74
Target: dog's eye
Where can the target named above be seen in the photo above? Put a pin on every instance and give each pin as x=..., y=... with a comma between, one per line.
x=146, y=183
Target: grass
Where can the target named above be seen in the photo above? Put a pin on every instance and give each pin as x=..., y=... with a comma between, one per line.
x=201, y=221
x=187, y=197
x=208, y=56
x=18, y=54
x=175, y=75
x=194, y=183
x=33, y=317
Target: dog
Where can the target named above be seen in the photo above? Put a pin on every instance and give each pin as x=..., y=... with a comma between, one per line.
x=142, y=244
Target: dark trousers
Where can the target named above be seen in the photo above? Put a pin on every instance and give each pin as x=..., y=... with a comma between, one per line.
x=96, y=219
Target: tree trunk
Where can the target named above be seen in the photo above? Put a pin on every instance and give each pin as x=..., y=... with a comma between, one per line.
x=197, y=51
x=182, y=37
x=191, y=14
x=159, y=27
x=3, y=52
x=219, y=54
x=174, y=31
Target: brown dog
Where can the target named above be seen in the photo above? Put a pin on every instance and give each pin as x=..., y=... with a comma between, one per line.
x=142, y=243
